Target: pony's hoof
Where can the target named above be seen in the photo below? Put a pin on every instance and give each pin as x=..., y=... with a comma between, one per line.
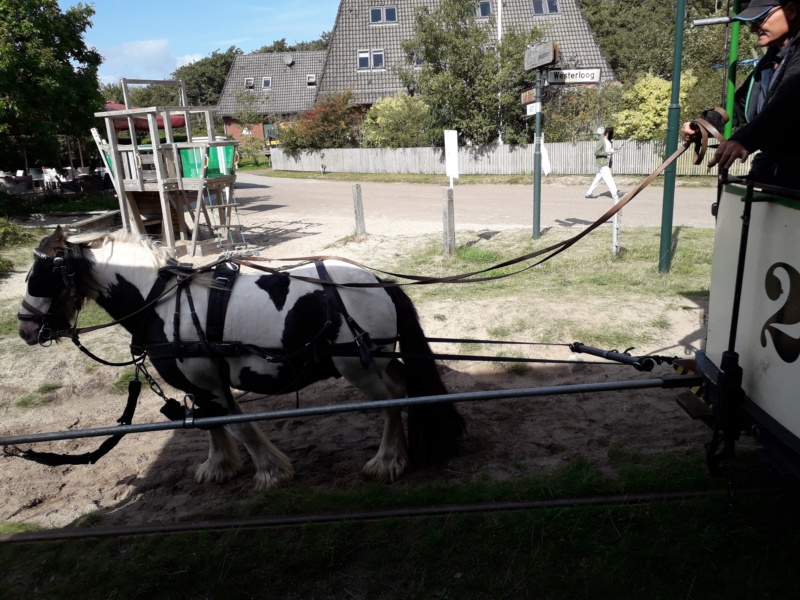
x=265, y=480
x=384, y=471
x=217, y=471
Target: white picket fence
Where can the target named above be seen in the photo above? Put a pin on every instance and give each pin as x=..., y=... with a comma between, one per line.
x=633, y=158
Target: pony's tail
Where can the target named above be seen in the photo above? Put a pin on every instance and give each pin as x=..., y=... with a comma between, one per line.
x=433, y=429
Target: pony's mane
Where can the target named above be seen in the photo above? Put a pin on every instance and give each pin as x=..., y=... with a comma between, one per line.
x=99, y=239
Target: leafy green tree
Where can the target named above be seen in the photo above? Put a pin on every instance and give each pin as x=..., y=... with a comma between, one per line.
x=573, y=113
x=471, y=82
x=332, y=123
x=399, y=122
x=282, y=46
x=251, y=146
x=48, y=79
x=205, y=78
x=111, y=92
x=644, y=107
x=637, y=37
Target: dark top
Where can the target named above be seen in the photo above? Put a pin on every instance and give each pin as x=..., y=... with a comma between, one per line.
x=767, y=104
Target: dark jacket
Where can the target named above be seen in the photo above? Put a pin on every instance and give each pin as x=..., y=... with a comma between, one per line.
x=775, y=130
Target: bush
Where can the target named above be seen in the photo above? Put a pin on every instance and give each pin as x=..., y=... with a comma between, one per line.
x=399, y=122
x=12, y=234
x=332, y=123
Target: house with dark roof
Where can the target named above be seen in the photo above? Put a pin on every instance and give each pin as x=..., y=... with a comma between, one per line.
x=366, y=46
x=367, y=37
x=278, y=84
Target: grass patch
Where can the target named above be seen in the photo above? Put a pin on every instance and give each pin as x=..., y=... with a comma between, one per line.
x=120, y=386
x=582, y=282
x=45, y=394
x=691, y=549
x=11, y=527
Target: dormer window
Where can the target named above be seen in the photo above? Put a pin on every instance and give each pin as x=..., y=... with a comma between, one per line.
x=266, y=83
x=311, y=79
x=545, y=7
x=370, y=59
x=483, y=10
x=382, y=14
x=248, y=83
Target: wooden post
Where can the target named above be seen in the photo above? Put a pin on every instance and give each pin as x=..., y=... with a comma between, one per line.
x=361, y=228
x=616, y=224
x=449, y=223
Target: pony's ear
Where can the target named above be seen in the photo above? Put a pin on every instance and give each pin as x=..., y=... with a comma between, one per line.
x=52, y=244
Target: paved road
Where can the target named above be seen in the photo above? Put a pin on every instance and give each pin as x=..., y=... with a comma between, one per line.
x=286, y=209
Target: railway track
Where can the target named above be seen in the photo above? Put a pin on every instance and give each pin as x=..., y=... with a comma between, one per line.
x=404, y=513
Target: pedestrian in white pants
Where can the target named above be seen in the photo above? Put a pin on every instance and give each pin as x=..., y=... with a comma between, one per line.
x=602, y=156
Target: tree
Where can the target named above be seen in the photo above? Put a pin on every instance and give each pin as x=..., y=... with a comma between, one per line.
x=332, y=123
x=573, y=113
x=471, y=83
x=205, y=78
x=48, y=78
x=251, y=146
x=399, y=122
x=622, y=26
x=282, y=46
x=645, y=105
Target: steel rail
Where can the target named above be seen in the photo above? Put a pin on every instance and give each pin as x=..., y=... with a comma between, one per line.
x=668, y=382
x=407, y=512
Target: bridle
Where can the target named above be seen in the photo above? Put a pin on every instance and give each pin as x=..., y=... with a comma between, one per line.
x=50, y=277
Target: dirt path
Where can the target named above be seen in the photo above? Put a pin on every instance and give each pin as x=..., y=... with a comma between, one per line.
x=148, y=477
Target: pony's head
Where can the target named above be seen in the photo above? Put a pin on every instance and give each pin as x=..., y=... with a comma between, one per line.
x=53, y=294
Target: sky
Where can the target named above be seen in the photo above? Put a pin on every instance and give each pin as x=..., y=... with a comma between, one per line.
x=149, y=39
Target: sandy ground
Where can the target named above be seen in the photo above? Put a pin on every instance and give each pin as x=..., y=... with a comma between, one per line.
x=149, y=477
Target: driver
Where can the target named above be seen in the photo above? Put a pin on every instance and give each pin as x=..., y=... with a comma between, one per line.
x=768, y=101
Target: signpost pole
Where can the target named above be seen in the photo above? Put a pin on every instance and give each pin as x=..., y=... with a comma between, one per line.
x=673, y=126
x=537, y=160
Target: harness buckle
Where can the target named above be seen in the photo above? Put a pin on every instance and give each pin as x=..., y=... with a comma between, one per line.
x=188, y=419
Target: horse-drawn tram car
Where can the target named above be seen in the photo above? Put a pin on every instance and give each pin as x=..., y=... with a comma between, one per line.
x=750, y=361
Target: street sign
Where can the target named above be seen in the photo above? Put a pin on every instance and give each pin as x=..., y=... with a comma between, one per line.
x=529, y=96
x=534, y=108
x=451, y=154
x=541, y=54
x=573, y=76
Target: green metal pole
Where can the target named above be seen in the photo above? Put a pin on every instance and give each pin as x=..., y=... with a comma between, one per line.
x=673, y=126
x=537, y=159
x=733, y=57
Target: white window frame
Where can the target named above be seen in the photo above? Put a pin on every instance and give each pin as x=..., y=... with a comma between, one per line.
x=546, y=8
x=382, y=11
x=478, y=7
x=249, y=83
x=370, y=56
x=266, y=83
x=311, y=79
